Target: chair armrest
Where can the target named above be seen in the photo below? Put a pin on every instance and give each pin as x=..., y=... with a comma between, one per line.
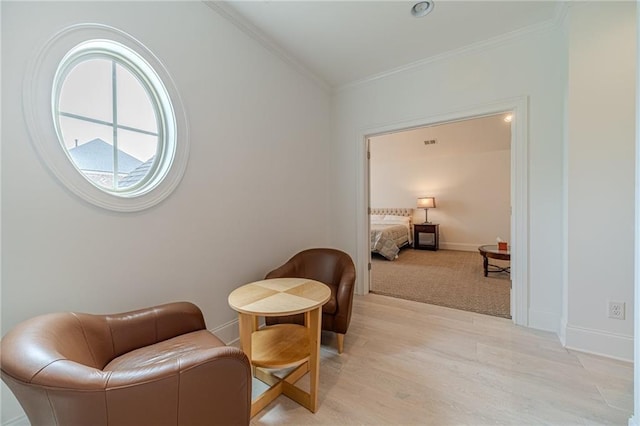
x=344, y=300
x=212, y=385
x=218, y=390
x=346, y=286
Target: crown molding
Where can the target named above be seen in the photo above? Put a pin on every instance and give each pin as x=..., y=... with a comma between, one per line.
x=230, y=14
x=551, y=24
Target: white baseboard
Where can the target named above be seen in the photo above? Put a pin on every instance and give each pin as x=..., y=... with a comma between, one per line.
x=18, y=421
x=563, y=332
x=597, y=342
x=459, y=246
x=544, y=320
x=229, y=332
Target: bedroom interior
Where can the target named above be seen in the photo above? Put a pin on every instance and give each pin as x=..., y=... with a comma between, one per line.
x=277, y=109
x=467, y=165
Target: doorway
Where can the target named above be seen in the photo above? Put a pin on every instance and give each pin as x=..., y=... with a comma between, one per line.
x=462, y=169
x=518, y=193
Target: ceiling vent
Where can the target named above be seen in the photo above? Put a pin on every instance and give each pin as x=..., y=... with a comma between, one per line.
x=422, y=8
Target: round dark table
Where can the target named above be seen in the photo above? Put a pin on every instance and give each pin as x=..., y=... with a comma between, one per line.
x=492, y=252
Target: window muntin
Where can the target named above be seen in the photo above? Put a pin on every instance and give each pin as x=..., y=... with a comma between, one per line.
x=113, y=117
x=41, y=82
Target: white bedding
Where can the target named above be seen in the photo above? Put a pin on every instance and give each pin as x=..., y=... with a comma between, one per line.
x=387, y=237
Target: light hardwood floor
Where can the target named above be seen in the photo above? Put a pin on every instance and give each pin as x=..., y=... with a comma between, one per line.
x=408, y=363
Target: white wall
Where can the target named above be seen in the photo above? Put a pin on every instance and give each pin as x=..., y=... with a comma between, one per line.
x=254, y=192
x=517, y=67
x=257, y=176
x=599, y=151
x=600, y=175
x=467, y=170
x=635, y=419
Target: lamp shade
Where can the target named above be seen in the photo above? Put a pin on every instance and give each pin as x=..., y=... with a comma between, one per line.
x=426, y=203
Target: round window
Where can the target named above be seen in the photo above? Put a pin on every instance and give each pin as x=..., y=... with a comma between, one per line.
x=113, y=117
x=106, y=118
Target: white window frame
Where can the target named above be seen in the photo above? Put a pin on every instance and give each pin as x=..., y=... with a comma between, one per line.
x=40, y=96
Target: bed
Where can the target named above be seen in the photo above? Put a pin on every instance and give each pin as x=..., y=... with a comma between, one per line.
x=391, y=229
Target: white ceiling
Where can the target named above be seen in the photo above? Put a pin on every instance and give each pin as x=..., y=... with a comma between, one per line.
x=466, y=137
x=342, y=42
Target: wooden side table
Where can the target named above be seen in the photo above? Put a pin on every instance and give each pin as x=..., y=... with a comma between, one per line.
x=492, y=251
x=426, y=228
x=283, y=345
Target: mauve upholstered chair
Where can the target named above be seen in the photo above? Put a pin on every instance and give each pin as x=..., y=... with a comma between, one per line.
x=333, y=268
x=155, y=366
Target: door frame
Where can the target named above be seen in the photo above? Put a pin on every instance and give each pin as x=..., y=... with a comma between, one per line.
x=519, y=193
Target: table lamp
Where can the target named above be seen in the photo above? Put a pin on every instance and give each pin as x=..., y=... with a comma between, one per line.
x=426, y=203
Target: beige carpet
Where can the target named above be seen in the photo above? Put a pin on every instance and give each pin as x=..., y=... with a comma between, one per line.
x=450, y=278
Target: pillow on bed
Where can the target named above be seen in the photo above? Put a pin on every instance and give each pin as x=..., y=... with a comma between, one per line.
x=397, y=219
x=377, y=217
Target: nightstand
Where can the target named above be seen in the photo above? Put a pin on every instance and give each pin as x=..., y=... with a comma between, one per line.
x=426, y=236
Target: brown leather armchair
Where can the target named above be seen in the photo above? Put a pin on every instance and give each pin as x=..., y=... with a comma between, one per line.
x=155, y=366
x=333, y=268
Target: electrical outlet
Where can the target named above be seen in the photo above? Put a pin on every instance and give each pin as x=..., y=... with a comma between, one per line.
x=616, y=310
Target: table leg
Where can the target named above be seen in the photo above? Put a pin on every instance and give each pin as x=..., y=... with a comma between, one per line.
x=314, y=324
x=485, y=264
x=247, y=324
